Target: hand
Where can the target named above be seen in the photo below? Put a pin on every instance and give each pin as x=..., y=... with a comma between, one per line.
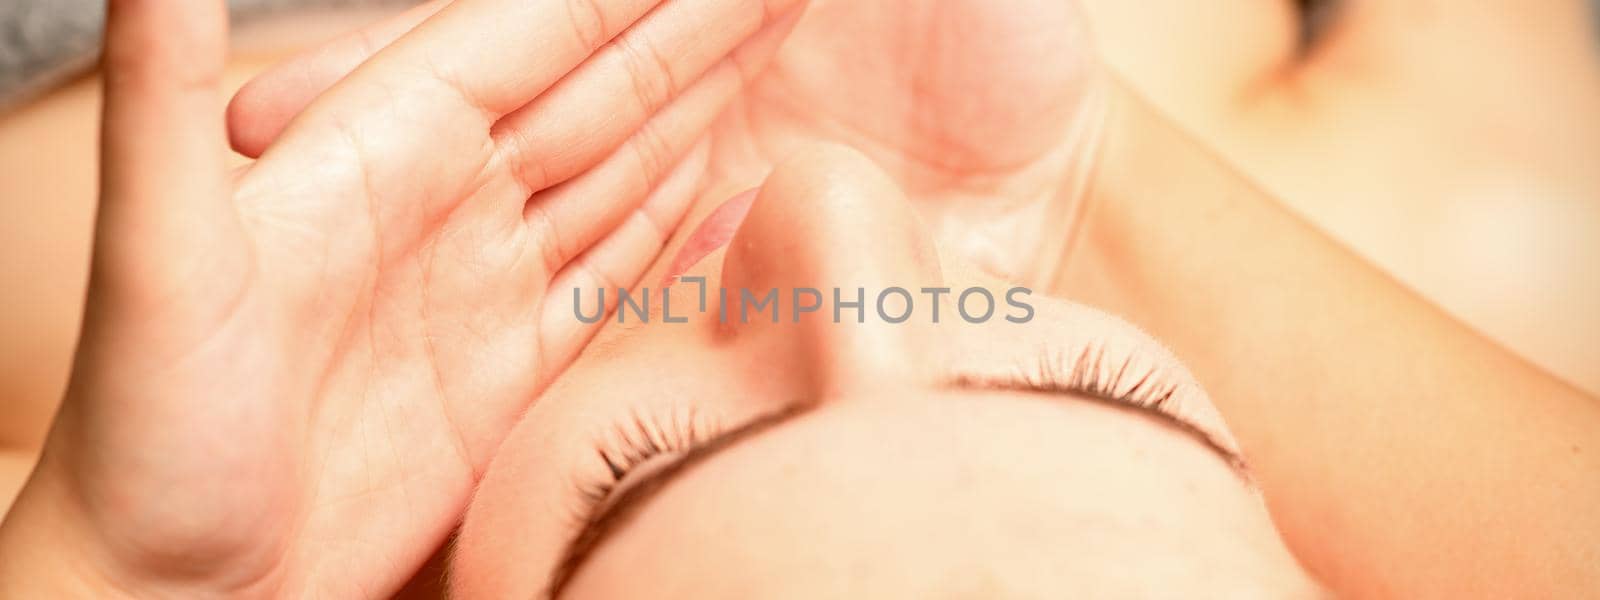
x=290, y=378
x=986, y=112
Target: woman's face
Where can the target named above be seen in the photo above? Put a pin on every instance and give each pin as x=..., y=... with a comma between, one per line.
x=814, y=458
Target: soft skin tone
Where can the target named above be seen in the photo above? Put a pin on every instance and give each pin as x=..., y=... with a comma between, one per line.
x=987, y=168
x=891, y=471
x=1448, y=143
x=1437, y=412
x=1500, y=231
x=1408, y=432
x=901, y=494
x=1448, y=468
x=291, y=377
x=986, y=145
x=1442, y=464
x=1451, y=144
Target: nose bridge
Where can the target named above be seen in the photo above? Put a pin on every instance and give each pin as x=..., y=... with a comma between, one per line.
x=836, y=239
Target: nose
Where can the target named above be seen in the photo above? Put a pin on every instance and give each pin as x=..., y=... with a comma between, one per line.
x=831, y=229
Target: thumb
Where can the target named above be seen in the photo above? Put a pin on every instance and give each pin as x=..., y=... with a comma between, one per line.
x=165, y=221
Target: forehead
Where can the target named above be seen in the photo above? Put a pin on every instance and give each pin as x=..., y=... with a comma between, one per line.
x=937, y=483
x=525, y=509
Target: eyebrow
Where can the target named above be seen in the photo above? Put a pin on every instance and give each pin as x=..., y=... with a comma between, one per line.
x=631, y=500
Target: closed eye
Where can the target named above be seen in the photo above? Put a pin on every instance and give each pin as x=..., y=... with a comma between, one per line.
x=1152, y=401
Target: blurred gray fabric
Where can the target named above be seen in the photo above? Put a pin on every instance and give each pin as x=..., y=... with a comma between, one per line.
x=45, y=42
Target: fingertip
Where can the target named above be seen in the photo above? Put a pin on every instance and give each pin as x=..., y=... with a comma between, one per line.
x=264, y=107
x=250, y=120
x=174, y=42
x=162, y=65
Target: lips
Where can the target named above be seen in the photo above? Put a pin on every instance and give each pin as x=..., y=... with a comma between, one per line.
x=713, y=233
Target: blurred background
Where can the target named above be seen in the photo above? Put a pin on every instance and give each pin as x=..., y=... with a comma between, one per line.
x=1455, y=145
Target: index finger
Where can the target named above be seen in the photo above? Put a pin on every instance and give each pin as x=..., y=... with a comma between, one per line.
x=266, y=104
x=476, y=59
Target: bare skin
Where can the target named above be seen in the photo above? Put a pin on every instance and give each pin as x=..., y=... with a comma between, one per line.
x=1110, y=270
x=1498, y=230
x=987, y=145
x=881, y=475
x=387, y=305
x=1450, y=144
x=1434, y=456
x=1118, y=221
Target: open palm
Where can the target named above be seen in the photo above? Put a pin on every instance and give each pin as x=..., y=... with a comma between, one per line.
x=984, y=110
x=290, y=379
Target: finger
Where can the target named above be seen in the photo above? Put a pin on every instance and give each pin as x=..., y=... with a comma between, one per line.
x=409, y=129
x=164, y=217
x=452, y=77
x=578, y=213
x=264, y=107
x=414, y=121
x=621, y=260
x=599, y=105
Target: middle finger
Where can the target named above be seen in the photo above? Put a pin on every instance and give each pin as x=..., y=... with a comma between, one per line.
x=602, y=103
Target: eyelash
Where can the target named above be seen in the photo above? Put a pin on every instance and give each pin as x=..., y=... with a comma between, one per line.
x=1086, y=376
x=640, y=438
x=637, y=440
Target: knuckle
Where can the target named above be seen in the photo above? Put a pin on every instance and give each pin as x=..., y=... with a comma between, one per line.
x=653, y=227
x=524, y=162
x=597, y=277
x=446, y=78
x=648, y=71
x=588, y=22
x=546, y=238
x=652, y=151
